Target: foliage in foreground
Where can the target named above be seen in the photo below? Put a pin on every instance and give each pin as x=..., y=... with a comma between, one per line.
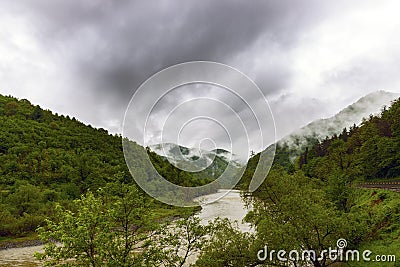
x=105, y=228
x=294, y=212
x=115, y=227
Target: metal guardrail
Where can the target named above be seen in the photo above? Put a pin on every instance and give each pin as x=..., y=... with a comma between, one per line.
x=393, y=185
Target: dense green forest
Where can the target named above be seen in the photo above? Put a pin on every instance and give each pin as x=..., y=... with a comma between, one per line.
x=47, y=158
x=368, y=151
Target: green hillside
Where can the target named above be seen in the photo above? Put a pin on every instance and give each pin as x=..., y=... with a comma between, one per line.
x=364, y=152
x=47, y=158
x=315, y=201
x=368, y=151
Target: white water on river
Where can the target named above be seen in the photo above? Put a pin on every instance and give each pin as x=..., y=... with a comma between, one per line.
x=20, y=257
x=229, y=206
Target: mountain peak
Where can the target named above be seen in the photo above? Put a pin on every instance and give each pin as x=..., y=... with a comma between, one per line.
x=178, y=153
x=371, y=103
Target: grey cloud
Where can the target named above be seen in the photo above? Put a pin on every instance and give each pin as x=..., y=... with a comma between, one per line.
x=115, y=45
x=108, y=48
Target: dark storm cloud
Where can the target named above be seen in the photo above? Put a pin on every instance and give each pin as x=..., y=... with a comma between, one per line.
x=115, y=45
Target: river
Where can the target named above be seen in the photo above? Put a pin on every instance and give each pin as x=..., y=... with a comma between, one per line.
x=229, y=206
x=20, y=257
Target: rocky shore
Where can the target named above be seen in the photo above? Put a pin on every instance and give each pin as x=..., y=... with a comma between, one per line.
x=20, y=244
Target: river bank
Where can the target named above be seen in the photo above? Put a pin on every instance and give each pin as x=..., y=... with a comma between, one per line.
x=20, y=242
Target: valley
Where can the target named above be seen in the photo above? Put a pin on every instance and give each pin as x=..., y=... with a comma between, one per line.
x=59, y=176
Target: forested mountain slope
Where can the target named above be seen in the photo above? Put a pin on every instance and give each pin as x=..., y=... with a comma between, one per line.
x=289, y=148
x=47, y=158
x=353, y=114
x=368, y=151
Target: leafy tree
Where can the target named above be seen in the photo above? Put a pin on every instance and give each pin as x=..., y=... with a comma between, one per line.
x=178, y=242
x=37, y=114
x=116, y=228
x=292, y=212
x=11, y=108
x=102, y=231
x=227, y=245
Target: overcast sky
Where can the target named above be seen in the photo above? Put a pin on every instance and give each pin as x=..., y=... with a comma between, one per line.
x=309, y=58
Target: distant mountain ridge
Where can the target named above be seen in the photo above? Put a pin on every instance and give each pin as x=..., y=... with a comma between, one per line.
x=177, y=153
x=353, y=114
x=202, y=163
